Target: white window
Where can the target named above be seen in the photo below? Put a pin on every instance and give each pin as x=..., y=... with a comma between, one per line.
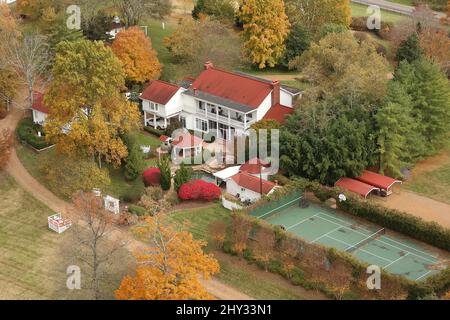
x=153, y=106
x=201, y=125
x=201, y=105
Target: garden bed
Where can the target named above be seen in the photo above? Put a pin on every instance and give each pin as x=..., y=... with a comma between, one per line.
x=27, y=132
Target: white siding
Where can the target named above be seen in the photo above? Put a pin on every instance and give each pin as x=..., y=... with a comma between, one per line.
x=244, y=194
x=286, y=99
x=264, y=107
x=39, y=117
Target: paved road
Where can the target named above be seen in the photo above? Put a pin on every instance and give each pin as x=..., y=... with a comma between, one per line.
x=395, y=7
x=35, y=188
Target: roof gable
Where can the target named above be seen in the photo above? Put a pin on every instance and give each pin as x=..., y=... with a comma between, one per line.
x=253, y=183
x=232, y=86
x=159, y=91
x=38, y=102
x=278, y=112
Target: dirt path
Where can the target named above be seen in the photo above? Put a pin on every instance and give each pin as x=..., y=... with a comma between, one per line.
x=419, y=206
x=31, y=185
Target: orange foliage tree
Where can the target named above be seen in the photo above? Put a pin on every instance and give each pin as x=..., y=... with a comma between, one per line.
x=436, y=46
x=169, y=269
x=139, y=60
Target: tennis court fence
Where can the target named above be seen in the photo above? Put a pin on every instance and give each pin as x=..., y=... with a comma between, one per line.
x=268, y=209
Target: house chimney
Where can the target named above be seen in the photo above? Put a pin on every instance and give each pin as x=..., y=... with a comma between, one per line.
x=195, y=90
x=275, y=92
x=208, y=65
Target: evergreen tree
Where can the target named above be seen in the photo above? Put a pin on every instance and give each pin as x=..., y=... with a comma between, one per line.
x=297, y=42
x=398, y=141
x=166, y=174
x=182, y=175
x=410, y=49
x=134, y=163
x=430, y=100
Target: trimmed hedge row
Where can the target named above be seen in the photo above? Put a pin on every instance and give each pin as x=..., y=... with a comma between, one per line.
x=27, y=130
x=154, y=131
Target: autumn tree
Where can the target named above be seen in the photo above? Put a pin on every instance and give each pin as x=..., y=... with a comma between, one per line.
x=94, y=247
x=313, y=14
x=297, y=42
x=29, y=58
x=138, y=58
x=67, y=175
x=170, y=267
x=219, y=9
x=195, y=41
x=435, y=44
x=240, y=231
x=218, y=231
x=87, y=111
x=266, y=27
x=337, y=66
x=6, y=143
x=264, y=246
x=134, y=10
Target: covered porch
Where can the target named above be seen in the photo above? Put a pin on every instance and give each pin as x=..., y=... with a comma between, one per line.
x=156, y=121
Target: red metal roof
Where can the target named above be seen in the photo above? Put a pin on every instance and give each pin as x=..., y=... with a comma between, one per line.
x=38, y=103
x=377, y=180
x=254, y=166
x=253, y=183
x=238, y=88
x=361, y=188
x=159, y=91
x=278, y=112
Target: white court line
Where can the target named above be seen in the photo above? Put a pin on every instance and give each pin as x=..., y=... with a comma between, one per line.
x=387, y=266
x=265, y=214
x=378, y=240
x=393, y=240
x=423, y=275
x=373, y=254
x=298, y=223
x=326, y=234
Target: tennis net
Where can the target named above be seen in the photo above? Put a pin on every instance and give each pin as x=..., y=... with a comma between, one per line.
x=365, y=241
x=271, y=208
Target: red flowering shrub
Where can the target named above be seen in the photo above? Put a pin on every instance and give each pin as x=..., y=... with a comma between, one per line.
x=199, y=190
x=151, y=177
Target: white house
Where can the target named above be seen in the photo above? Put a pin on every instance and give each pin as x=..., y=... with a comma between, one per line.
x=217, y=102
x=249, y=188
x=39, y=110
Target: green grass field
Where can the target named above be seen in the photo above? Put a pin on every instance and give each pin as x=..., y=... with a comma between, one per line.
x=254, y=284
x=33, y=259
x=433, y=182
x=119, y=187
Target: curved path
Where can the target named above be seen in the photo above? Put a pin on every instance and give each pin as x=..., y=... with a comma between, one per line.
x=394, y=7
x=32, y=186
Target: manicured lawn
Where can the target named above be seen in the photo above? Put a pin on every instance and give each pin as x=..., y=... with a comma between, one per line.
x=119, y=187
x=359, y=10
x=258, y=284
x=432, y=177
x=146, y=139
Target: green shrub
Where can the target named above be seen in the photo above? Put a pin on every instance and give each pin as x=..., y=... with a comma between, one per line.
x=134, y=163
x=155, y=193
x=154, y=131
x=182, y=175
x=297, y=276
x=137, y=210
x=166, y=175
x=131, y=196
x=27, y=131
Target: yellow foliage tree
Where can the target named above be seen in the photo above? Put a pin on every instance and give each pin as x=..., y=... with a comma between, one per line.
x=170, y=268
x=139, y=60
x=87, y=111
x=266, y=27
x=313, y=14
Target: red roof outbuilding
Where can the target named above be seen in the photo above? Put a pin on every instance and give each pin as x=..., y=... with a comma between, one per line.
x=159, y=91
x=38, y=102
x=358, y=187
x=187, y=140
x=278, y=112
x=377, y=180
x=253, y=183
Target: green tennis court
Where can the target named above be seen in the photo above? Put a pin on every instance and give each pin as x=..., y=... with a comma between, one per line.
x=329, y=228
